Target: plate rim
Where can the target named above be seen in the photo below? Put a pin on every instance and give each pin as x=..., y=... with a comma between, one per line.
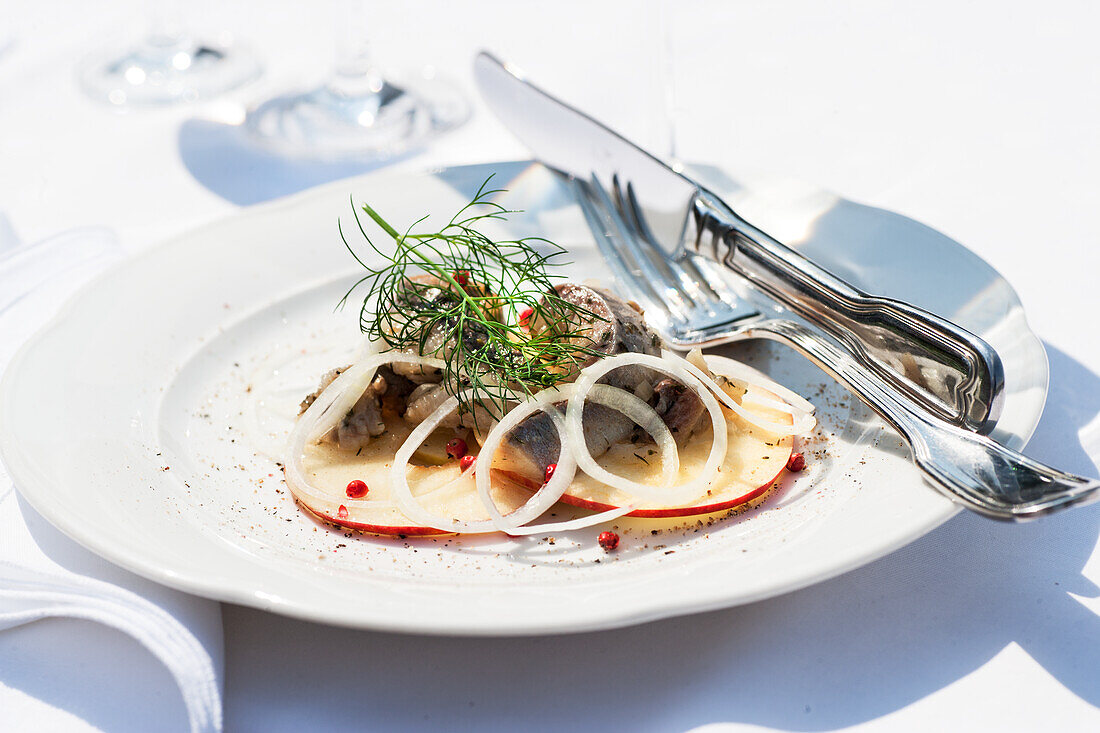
x=24, y=476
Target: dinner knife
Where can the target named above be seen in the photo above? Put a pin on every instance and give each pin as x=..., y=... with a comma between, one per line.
x=951, y=373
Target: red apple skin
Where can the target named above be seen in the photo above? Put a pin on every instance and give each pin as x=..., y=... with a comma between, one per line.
x=382, y=529
x=687, y=511
x=377, y=528
x=682, y=511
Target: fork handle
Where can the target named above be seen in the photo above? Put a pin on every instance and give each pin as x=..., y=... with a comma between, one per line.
x=971, y=469
x=951, y=372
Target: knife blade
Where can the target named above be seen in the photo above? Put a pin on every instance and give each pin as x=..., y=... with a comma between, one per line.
x=950, y=372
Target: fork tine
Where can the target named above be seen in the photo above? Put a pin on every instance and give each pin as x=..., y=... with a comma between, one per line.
x=599, y=221
x=710, y=278
x=646, y=246
x=710, y=292
x=687, y=277
x=654, y=279
x=644, y=267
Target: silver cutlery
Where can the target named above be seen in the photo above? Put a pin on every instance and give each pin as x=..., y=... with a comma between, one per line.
x=939, y=386
x=946, y=370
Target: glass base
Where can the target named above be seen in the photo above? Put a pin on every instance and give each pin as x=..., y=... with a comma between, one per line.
x=365, y=121
x=166, y=71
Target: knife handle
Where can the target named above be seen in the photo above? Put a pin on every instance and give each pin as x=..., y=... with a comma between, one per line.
x=949, y=371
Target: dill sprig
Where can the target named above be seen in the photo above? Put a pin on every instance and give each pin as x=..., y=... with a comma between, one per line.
x=487, y=307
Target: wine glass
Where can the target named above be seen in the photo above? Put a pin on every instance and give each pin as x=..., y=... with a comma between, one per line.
x=167, y=66
x=358, y=113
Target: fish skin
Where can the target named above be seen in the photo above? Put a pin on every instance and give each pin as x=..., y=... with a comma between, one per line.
x=679, y=407
x=617, y=328
x=534, y=444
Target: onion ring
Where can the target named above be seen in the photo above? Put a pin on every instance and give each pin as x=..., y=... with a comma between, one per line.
x=550, y=492
x=670, y=495
x=769, y=425
x=331, y=405
x=399, y=482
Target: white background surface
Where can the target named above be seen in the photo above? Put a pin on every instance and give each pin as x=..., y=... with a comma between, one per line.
x=979, y=119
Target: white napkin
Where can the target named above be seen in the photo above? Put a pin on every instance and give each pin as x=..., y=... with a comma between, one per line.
x=43, y=574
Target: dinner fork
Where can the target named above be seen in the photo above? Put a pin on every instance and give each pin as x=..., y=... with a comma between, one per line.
x=688, y=301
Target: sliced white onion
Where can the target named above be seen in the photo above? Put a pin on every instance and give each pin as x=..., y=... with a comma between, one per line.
x=674, y=367
x=399, y=481
x=550, y=492
x=780, y=429
x=369, y=347
x=733, y=369
x=645, y=417
x=329, y=408
x=571, y=524
x=756, y=397
x=746, y=377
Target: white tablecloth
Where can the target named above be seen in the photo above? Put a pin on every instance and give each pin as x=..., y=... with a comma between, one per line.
x=979, y=119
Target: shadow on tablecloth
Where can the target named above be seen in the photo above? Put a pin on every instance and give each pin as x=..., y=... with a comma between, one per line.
x=833, y=655
x=223, y=159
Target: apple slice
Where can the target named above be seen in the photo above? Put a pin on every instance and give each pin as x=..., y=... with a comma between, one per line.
x=754, y=459
x=441, y=489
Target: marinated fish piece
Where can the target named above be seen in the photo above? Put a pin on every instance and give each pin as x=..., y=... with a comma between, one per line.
x=614, y=327
x=427, y=398
x=534, y=444
x=418, y=373
x=385, y=397
x=423, y=401
x=679, y=407
x=427, y=295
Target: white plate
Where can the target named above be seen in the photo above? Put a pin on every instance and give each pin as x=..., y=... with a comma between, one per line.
x=128, y=423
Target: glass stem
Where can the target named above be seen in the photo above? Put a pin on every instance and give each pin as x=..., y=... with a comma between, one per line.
x=354, y=72
x=165, y=25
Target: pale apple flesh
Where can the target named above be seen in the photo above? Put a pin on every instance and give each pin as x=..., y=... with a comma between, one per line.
x=754, y=459
x=434, y=486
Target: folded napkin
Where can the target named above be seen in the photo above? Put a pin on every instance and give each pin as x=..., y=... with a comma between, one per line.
x=43, y=574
